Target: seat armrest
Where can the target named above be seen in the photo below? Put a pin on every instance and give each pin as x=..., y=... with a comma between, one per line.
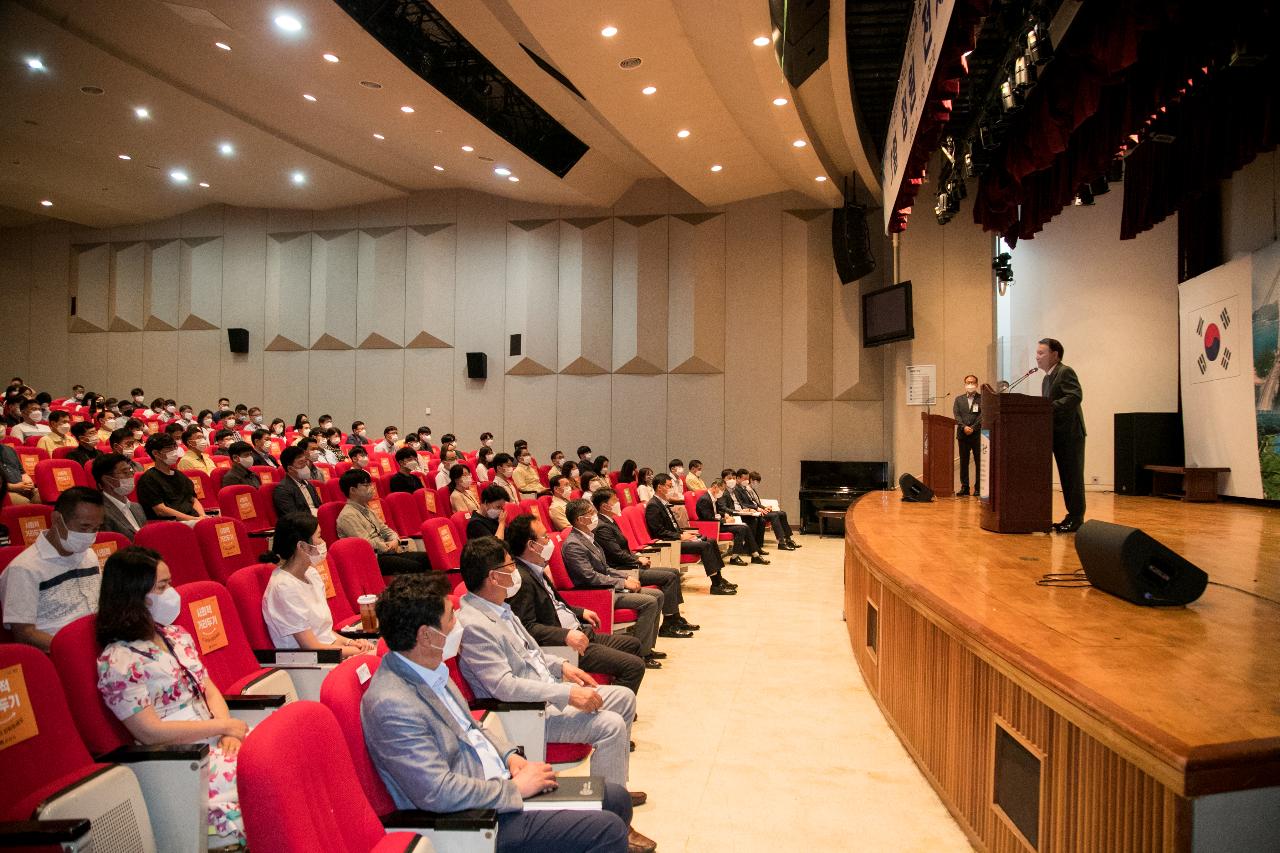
x=357, y=634
x=470, y=820
x=564, y=652
x=498, y=706
x=251, y=702
x=262, y=534
x=708, y=529
x=523, y=724
x=42, y=833
x=157, y=752
x=297, y=657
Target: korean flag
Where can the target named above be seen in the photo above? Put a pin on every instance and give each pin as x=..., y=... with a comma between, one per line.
x=1210, y=341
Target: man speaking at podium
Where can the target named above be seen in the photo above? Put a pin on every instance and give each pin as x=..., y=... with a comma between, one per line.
x=1062, y=388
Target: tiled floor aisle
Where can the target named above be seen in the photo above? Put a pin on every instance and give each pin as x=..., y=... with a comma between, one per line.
x=759, y=734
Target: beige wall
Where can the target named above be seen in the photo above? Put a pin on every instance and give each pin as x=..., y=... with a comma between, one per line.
x=1251, y=207
x=658, y=328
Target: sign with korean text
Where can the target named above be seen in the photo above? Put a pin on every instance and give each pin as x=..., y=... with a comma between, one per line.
x=376, y=506
x=31, y=526
x=206, y=617
x=323, y=569
x=245, y=507
x=17, y=719
x=103, y=550
x=228, y=541
x=446, y=539
x=63, y=479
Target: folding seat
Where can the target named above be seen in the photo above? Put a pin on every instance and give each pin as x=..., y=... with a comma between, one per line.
x=667, y=554
x=282, y=816
x=429, y=502
x=50, y=778
x=107, y=543
x=62, y=452
x=11, y=441
x=402, y=513
x=174, y=779
x=55, y=476
x=30, y=457
x=266, y=474
x=600, y=600
x=384, y=463
x=241, y=503
x=215, y=480
x=326, y=471
x=225, y=546
x=613, y=478
x=626, y=493
x=176, y=543
x=544, y=475
x=26, y=521
x=248, y=586
x=356, y=564
x=203, y=485
x=342, y=468
x=441, y=544
x=382, y=485
x=328, y=518
x=220, y=461
x=209, y=616
x=575, y=494
x=708, y=529
x=267, y=507
x=459, y=522
x=544, y=501
x=536, y=507
x=330, y=493
x=32, y=441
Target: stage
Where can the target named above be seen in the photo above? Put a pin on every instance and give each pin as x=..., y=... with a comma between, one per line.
x=1118, y=727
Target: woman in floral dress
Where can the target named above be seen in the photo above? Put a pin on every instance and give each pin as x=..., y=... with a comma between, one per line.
x=151, y=677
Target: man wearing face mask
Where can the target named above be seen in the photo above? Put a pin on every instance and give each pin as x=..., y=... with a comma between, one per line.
x=662, y=525
x=165, y=494
x=404, y=480
x=185, y=416
x=331, y=447
x=553, y=622
x=114, y=476
x=139, y=399
x=123, y=443
x=261, y=450
x=527, y=480
x=359, y=435
x=238, y=474
x=295, y=493
x=32, y=423
x=561, y=488
x=714, y=505
x=390, y=440
x=59, y=434
x=430, y=753
x=197, y=457
x=965, y=410
x=56, y=580
x=358, y=521
x=500, y=660
x=585, y=562
x=448, y=458
x=490, y=520
x=504, y=466
x=557, y=460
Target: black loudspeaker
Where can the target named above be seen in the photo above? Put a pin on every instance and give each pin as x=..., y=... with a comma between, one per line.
x=914, y=491
x=238, y=340
x=851, y=243
x=1129, y=564
x=515, y=344
x=477, y=365
x=1144, y=438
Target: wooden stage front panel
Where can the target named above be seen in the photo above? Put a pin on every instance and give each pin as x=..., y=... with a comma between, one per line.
x=1133, y=712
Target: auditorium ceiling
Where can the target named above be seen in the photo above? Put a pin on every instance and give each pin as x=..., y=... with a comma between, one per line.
x=266, y=120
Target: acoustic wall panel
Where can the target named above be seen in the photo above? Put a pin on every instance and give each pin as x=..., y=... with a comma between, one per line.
x=334, y=257
x=696, y=279
x=128, y=278
x=90, y=283
x=695, y=421
x=157, y=370
x=806, y=305
x=380, y=302
x=429, y=280
x=244, y=269
x=124, y=352
x=379, y=389
x=857, y=372
x=160, y=291
x=200, y=283
x=640, y=295
x=530, y=413
x=584, y=416
x=639, y=413
x=288, y=291
x=533, y=268
x=197, y=373
x=586, y=296
x=331, y=385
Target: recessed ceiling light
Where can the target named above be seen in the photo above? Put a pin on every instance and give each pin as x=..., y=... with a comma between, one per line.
x=631, y=62
x=406, y=109
x=36, y=64
x=468, y=149
x=683, y=134
x=179, y=177
x=513, y=179
x=226, y=149
x=288, y=23
x=124, y=156
x=222, y=45
x=331, y=57
x=799, y=143
x=649, y=90
x=438, y=167
x=761, y=41
x=92, y=90
x=717, y=167
x=298, y=178
x=820, y=178
x=204, y=184
x=311, y=98
x=609, y=32
x=502, y=171
x=780, y=102
x=46, y=203
x=378, y=136
x=371, y=84
x=142, y=112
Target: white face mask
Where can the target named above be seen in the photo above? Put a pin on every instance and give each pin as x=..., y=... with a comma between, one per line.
x=201, y=445
x=79, y=396
x=77, y=542
x=594, y=523
x=730, y=484
x=678, y=470
x=257, y=419
x=299, y=473
x=138, y=399
x=492, y=512
x=452, y=641
x=547, y=550
x=393, y=438
x=313, y=455
x=165, y=606
x=246, y=461
x=172, y=457
x=317, y=553
x=171, y=409
x=207, y=422
x=63, y=429
x=122, y=488
x=970, y=388
x=413, y=466
x=515, y=583
x=488, y=442
x=524, y=460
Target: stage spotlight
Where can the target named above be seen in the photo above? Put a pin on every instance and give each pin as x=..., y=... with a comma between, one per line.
x=1010, y=96
x=1024, y=74
x=1039, y=45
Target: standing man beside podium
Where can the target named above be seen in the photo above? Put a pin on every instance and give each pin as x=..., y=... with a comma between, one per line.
x=1061, y=387
x=968, y=416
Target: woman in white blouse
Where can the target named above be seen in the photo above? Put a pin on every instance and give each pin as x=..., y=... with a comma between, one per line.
x=294, y=605
x=644, y=484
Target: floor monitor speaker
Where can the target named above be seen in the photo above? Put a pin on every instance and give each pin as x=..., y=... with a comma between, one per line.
x=914, y=491
x=1129, y=564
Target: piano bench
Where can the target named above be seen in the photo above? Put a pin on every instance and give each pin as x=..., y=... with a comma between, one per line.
x=825, y=515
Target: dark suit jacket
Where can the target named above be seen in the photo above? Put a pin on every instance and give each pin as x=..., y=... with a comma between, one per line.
x=265, y=459
x=962, y=411
x=709, y=510
x=611, y=539
x=660, y=521
x=238, y=476
x=114, y=522
x=744, y=499
x=537, y=610
x=1065, y=396
x=287, y=497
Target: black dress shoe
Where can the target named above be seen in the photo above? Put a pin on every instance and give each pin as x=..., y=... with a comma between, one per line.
x=760, y=561
x=722, y=589
x=1069, y=525
x=794, y=544
x=963, y=493
x=762, y=553
x=657, y=655
x=728, y=584
x=737, y=561
x=787, y=546
x=684, y=623
x=650, y=663
x=638, y=798
x=674, y=632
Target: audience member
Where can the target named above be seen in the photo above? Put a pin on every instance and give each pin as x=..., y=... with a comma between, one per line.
x=123, y=443
x=295, y=493
x=260, y=449
x=449, y=457
x=484, y=460
x=239, y=474
x=644, y=485
x=693, y=480
x=561, y=489
x=21, y=488
x=166, y=495
x=490, y=520
x=405, y=480
x=390, y=440
x=504, y=467
x=358, y=521
x=526, y=476
x=114, y=476
x=59, y=434
x=462, y=496
x=662, y=525
x=31, y=425
x=86, y=438
x=196, y=459
x=359, y=435
x=557, y=460
x=776, y=519
x=627, y=473
x=713, y=505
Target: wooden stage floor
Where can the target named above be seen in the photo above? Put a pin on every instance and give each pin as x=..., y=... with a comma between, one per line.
x=1188, y=696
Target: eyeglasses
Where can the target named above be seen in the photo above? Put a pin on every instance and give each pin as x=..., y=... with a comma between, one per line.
x=507, y=568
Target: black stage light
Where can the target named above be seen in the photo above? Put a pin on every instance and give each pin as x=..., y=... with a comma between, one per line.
x=1039, y=45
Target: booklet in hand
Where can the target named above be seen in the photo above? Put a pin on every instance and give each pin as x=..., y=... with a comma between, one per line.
x=575, y=792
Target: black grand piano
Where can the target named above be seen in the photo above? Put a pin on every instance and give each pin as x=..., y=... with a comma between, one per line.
x=835, y=485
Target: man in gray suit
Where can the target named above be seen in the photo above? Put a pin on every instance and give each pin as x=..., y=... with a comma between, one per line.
x=429, y=751
x=968, y=416
x=500, y=660
x=114, y=475
x=1061, y=387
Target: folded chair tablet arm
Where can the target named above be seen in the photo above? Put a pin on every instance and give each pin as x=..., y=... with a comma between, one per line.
x=68, y=834
x=297, y=657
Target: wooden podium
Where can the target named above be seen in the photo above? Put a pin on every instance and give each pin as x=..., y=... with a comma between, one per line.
x=939, y=453
x=1017, y=463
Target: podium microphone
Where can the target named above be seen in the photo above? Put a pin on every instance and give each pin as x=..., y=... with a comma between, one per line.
x=1020, y=380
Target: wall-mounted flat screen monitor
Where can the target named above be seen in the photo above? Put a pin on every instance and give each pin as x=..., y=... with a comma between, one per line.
x=886, y=315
